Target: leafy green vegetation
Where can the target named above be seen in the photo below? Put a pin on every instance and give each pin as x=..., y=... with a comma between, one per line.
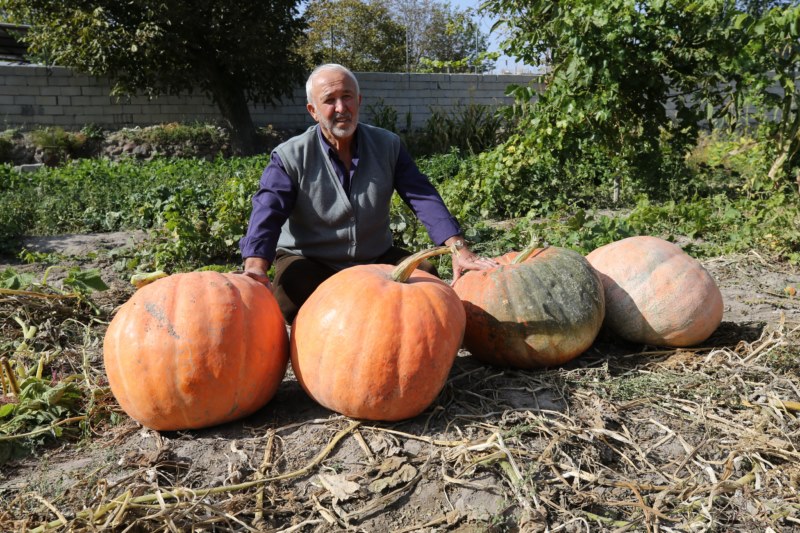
x=196, y=210
x=634, y=84
x=7, y=144
x=175, y=134
x=716, y=200
x=471, y=128
x=57, y=144
x=39, y=401
x=36, y=415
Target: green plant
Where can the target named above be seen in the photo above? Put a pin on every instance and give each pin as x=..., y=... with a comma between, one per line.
x=607, y=85
x=472, y=128
x=7, y=138
x=176, y=134
x=382, y=115
x=36, y=412
x=57, y=144
x=197, y=210
x=93, y=132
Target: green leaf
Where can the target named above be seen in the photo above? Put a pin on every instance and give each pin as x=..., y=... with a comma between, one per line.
x=11, y=279
x=7, y=409
x=85, y=281
x=740, y=20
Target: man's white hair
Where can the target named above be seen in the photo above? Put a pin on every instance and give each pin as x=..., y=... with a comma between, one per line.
x=329, y=66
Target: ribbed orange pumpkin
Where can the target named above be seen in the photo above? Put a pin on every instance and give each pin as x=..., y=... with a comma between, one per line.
x=543, y=311
x=377, y=342
x=194, y=350
x=656, y=293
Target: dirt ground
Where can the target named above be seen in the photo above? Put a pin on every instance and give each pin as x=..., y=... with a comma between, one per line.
x=624, y=438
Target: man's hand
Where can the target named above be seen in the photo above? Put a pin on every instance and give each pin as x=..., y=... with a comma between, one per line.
x=256, y=268
x=465, y=259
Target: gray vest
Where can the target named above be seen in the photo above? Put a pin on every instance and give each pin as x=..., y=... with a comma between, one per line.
x=326, y=224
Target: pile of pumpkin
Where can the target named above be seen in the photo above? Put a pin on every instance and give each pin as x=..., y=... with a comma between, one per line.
x=377, y=342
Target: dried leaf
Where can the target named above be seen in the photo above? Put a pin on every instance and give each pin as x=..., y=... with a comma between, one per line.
x=404, y=474
x=339, y=486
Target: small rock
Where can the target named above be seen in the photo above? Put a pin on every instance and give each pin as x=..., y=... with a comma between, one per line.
x=31, y=167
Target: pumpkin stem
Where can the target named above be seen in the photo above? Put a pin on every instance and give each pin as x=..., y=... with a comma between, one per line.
x=410, y=263
x=146, y=278
x=527, y=252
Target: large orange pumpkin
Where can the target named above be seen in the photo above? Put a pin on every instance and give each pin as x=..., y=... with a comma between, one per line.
x=376, y=341
x=656, y=293
x=542, y=311
x=196, y=349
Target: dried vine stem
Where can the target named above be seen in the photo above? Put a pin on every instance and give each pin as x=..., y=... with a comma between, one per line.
x=162, y=496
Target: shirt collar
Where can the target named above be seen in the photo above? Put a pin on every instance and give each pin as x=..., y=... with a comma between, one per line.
x=331, y=151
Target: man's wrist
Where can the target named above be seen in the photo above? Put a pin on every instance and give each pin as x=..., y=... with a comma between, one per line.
x=457, y=244
x=256, y=265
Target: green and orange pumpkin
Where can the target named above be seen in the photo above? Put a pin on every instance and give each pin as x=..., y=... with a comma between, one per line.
x=196, y=349
x=377, y=342
x=539, y=309
x=656, y=293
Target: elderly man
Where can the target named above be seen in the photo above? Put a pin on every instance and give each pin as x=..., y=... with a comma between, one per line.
x=324, y=199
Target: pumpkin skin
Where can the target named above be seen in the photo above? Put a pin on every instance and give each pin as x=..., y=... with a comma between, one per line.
x=656, y=293
x=369, y=347
x=542, y=312
x=195, y=350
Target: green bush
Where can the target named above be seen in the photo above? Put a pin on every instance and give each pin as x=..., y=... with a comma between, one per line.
x=381, y=115
x=7, y=144
x=471, y=128
x=56, y=144
x=175, y=134
x=17, y=211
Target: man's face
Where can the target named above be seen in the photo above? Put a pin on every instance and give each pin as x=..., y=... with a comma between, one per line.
x=335, y=103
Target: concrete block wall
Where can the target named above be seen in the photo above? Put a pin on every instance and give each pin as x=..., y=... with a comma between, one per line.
x=34, y=96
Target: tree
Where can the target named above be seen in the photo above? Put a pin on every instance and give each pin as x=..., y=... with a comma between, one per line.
x=453, y=42
x=235, y=52
x=359, y=35
x=765, y=73
x=759, y=7
x=441, y=37
x=615, y=68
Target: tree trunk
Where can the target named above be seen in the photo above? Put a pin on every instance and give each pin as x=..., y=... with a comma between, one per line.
x=236, y=112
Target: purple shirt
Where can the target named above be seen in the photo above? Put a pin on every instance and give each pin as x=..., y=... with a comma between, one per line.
x=273, y=202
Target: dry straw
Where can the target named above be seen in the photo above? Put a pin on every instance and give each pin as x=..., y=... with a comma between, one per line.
x=661, y=440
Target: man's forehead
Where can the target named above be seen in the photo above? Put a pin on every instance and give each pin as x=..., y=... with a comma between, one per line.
x=333, y=81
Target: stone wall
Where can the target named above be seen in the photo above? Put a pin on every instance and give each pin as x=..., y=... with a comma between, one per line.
x=33, y=96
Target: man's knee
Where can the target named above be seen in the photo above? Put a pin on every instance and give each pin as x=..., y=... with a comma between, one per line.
x=296, y=278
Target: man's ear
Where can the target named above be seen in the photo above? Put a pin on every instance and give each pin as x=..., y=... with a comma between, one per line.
x=312, y=111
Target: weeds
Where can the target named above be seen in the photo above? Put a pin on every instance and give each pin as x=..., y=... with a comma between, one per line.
x=57, y=145
x=42, y=399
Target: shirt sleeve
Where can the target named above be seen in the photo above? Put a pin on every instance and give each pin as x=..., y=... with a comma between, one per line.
x=421, y=196
x=272, y=205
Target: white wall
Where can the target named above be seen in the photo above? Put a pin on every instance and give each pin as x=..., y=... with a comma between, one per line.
x=34, y=96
